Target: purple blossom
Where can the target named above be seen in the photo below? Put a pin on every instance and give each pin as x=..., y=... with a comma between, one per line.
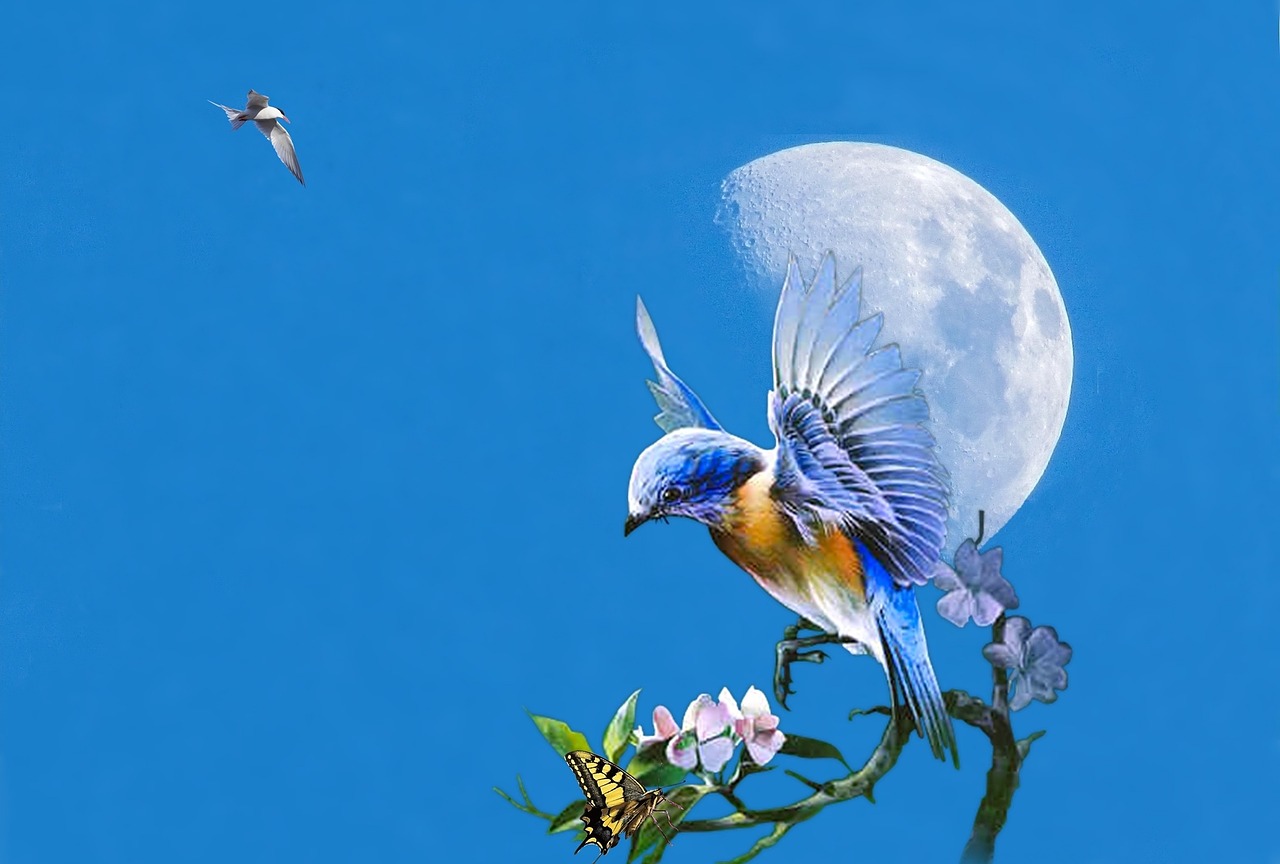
x=975, y=588
x=1035, y=658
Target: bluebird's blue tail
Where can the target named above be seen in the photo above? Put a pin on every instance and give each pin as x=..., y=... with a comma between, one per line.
x=906, y=658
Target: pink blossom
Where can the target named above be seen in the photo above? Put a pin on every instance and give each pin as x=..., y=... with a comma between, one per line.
x=755, y=725
x=664, y=728
x=712, y=727
x=680, y=746
x=712, y=730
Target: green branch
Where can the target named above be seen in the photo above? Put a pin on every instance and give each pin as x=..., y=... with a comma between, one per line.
x=1007, y=755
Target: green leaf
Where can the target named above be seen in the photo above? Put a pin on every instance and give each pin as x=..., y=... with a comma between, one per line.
x=811, y=748
x=618, y=732
x=814, y=785
x=649, y=837
x=1024, y=746
x=651, y=768
x=527, y=806
x=558, y=734
x=514, y=803
x=569, y=818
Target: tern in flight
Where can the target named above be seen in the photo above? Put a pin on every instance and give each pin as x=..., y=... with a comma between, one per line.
x=267, y=119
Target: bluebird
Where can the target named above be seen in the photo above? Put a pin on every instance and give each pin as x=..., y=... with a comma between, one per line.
x=847, y=513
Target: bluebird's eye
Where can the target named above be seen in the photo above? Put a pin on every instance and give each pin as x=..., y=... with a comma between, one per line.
x=671, y=495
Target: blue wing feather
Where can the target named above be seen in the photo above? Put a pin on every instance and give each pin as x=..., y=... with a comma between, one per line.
x=678, y=405
x=852, y=447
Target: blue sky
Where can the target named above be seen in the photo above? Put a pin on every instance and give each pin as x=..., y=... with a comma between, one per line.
x=306, y=492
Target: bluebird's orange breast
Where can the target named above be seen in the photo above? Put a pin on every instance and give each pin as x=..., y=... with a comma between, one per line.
x=761, y=539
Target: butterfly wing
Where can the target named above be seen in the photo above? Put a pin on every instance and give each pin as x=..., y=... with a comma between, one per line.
x=616, y=802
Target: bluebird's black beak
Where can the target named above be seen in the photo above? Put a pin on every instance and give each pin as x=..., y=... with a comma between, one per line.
x=633, y=522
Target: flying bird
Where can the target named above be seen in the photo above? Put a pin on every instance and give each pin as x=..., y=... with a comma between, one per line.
x=267, y=119
x=847, y=513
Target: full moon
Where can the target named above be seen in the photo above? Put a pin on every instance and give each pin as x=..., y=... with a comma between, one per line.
x=965, y=293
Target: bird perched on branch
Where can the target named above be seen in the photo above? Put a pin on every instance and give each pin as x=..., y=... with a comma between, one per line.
x=847, y=513
x=267, y=119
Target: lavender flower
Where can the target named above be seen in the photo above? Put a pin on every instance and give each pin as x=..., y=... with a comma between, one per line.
x=1035, y=658
x=975, y=587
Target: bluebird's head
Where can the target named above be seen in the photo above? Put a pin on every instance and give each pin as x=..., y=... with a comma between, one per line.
x=690, y=472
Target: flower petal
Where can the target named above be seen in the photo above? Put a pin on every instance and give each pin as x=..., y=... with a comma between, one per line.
x=664, y=722
x=966, y=562
x=988, y=571
x=1021, y=694
x=945, y=578
x=1042, y=690
x=956, y=607
x=1054, y=676
x=682, y=751
x=1000, y=655
x=727, y=700
x=695, y=707
x=754, y=703
x=763, y=747
x=643, y=740
x=715, y=753
x=766, y=722
x=1043, y=644
x=1004, y=594
x=1016, y=631
x=713, y=720
x=664, y=725
x=986, y=610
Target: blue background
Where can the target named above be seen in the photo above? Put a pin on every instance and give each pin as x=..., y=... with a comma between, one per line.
x=308, y=493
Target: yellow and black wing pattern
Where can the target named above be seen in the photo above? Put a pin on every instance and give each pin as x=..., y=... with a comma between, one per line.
x=616, y=802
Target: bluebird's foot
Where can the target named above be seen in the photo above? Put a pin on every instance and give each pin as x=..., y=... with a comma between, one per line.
x=788, y=652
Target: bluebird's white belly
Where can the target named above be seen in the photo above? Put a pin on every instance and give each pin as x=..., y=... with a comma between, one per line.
x=824, y=581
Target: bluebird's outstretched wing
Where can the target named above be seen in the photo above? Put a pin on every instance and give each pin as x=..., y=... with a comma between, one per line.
x=852, y=448
x=679, y=405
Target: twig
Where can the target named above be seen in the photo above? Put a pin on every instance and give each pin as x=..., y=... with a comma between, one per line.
x=1006, y=759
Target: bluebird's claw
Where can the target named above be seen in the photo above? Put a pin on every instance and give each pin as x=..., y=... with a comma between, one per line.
x=788, y=652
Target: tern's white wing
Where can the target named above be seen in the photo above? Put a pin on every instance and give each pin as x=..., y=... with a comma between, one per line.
x=256, y=100
x=284, y=145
